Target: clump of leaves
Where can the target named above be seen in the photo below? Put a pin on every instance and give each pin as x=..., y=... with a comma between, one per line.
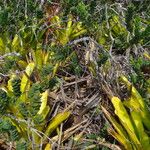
x=12, y=14
x=23, y=103
x=63, y=32
x=6, y=126
x=3, y=101
x=140, y=77
x=133, y=124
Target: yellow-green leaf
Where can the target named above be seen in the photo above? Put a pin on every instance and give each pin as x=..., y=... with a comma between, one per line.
x=45, y=112
x=116, y=125
x=48, y=147
x=145, y=114
x=125, y=142
x=146, y=55
x=44, y=101
x=22, y=64
x=78, y=33
x=143, y=137
x=38, y=58
x=2, y=47
x=134, y=92
x=46, y=56
x=55, y=68
x=56, y=21
x=125, y=119
x=69, y=26
x=9, y=86
x=25, y=80
x=15, y=42
x=132, y=103
x=56, y=121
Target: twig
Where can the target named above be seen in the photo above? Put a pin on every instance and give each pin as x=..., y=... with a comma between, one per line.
x=9, y=54
x=60, y=136
x=4, y=75
x=106, y=144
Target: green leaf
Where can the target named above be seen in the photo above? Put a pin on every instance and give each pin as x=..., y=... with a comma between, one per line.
x=15, y=43
x=38, y=58
x=142, y=135
x=2, y=47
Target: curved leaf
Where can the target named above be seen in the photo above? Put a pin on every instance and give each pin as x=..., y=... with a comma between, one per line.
x=56, y=121
x=25, y=78
x=44, y=101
